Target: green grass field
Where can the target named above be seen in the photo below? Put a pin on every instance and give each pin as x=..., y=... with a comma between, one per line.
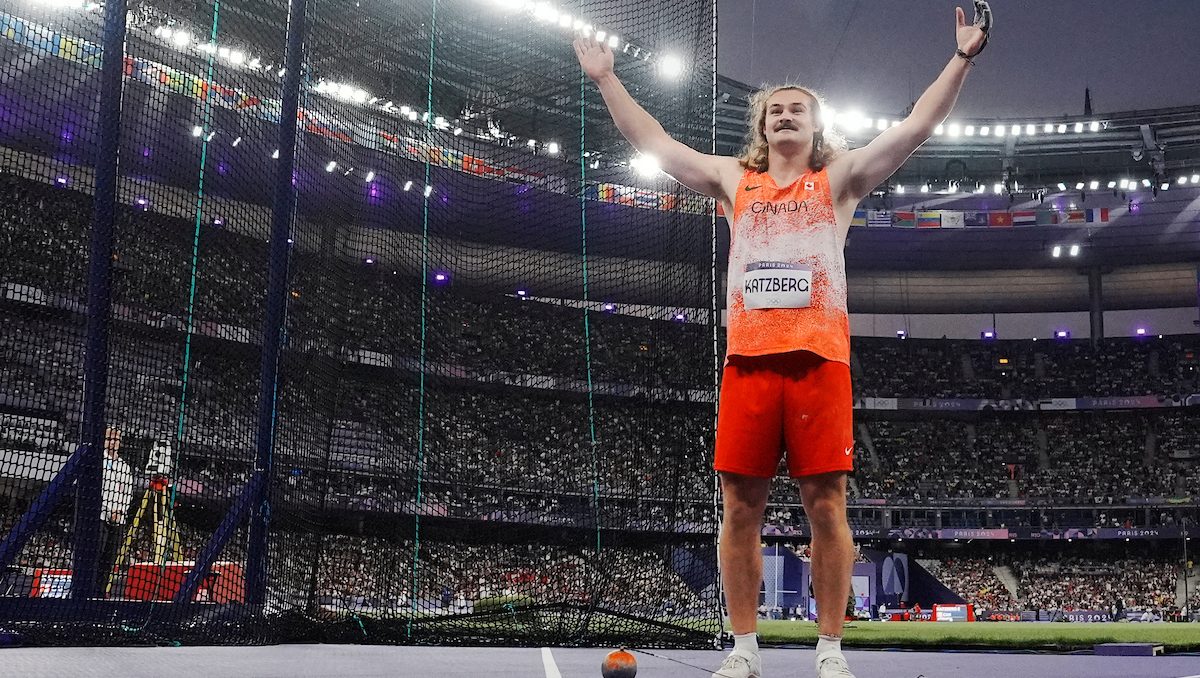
x=1000, y=635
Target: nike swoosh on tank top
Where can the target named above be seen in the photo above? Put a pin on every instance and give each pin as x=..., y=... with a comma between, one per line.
x=791, y=228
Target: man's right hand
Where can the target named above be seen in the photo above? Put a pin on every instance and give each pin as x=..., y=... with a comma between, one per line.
x=595, y=58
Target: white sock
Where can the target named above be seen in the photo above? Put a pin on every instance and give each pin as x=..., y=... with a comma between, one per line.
x=746, y=644
x=830, y=644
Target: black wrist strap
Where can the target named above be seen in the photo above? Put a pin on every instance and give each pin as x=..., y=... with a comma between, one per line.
x=964, y=56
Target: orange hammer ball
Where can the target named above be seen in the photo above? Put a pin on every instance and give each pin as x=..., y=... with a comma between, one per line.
x=619, y=664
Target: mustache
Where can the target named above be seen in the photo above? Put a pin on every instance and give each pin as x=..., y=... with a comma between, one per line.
x=786, y=125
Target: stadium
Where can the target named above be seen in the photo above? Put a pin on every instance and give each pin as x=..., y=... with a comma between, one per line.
x=353, y=338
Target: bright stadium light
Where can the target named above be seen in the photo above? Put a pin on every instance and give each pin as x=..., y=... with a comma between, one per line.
x=985, y=131
x=1016, y=130
x=1062, y=186
x=1062, y=128
x=544, y=11
x=1078, y=127
x=999, y=130
x=670, y=66
x=1048, y=128
x=1030, y=130
x=331, y=166
x=614, y=42
x=1123, y=184
x=939, y=130
x=969, y=130
x=552, y=148
x=953, y=129
x=428, y=191
x=997, y=188
x=645, y=165
x=1056, y=252
x=1094, y=126
x=407, y=185
x=1074, y=250
x=236, y=142
x=197, y=131
x=1196, y=178
x=370, y=176
x=181, y=38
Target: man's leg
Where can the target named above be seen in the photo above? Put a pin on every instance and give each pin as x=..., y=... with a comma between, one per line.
x=824, y=498
x=744, y=500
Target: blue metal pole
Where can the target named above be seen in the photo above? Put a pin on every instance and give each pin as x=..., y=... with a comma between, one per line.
x=95, y=365
x=273, y=335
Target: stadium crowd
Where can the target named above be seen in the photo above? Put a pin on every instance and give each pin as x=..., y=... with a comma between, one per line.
x=359, y=431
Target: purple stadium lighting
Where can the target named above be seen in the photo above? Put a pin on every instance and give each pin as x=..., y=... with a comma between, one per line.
x=680, y=317
x=1062, y=334
x=1141, y=331
x=369, y=261
x=142, y=202
x=146, y=152
x=441, y=277
x=901, y=334
x=218, y=221
x=987, y=334
x=521, y=293
x=609, y=307
x=62, y=181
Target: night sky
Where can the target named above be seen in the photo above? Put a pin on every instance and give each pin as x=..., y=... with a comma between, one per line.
x=879, y=55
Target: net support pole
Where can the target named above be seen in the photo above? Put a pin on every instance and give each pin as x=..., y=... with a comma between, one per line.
x=88, y=498
x=273, y=335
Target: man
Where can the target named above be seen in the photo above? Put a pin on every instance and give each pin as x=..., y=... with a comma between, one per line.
x=789, y=201
x=116, y=496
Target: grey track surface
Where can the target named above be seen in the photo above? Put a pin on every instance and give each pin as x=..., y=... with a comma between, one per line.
x=305, y=661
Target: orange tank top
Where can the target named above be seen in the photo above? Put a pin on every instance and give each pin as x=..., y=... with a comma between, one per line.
x=787, y=272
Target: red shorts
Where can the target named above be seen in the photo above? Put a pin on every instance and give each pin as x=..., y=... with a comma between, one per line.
x=796, y=400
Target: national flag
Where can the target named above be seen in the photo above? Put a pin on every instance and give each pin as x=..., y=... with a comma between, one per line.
x=930, y=219
x=906, y=220
x=975, y=219
x=879, y=219
x=1000, y=220
x=1098, y=215
x=1073, y=217
x=1024, y=218
x=860, y=218
x=1047, y=217
x=951, y=219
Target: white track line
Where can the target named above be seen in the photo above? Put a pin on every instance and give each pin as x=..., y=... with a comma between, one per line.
x=552, y=668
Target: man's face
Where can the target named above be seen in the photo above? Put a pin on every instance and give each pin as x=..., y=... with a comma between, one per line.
x=789, y=119
x=112, y=441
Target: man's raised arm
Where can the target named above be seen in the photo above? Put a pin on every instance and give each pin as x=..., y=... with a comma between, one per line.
x=862, y=169
x=700, y=172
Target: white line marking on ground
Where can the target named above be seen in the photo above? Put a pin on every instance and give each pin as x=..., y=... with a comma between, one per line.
x=552, y=668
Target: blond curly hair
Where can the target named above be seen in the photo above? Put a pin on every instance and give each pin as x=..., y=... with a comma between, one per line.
x=827, y=145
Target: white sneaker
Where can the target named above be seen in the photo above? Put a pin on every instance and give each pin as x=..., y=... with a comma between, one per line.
x=833, y=665
x=739, y=666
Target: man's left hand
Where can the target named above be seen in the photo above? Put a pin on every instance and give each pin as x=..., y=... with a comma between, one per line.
x=971, y=37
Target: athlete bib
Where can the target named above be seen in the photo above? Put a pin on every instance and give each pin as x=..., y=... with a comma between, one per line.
x=777, y=284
